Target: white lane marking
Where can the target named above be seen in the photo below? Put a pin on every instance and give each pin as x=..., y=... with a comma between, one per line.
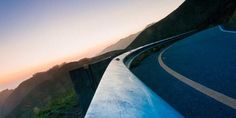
x=231, y=102
x=227, y=31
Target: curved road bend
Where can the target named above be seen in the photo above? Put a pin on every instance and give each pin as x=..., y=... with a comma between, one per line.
x=195, y=75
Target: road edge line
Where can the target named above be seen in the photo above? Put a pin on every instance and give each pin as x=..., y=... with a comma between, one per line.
x=229, y=101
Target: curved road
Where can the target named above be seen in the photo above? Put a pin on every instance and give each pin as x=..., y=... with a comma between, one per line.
x=195, y=75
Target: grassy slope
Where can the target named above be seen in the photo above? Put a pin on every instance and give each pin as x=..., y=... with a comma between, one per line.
x=65, y=105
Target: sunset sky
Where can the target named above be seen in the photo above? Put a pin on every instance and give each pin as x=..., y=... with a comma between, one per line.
x=37, y=34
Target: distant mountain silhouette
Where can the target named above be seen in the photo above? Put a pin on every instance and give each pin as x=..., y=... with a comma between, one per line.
x=121, y=44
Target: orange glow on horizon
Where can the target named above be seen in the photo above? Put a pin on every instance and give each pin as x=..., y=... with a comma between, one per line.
x=15, y=77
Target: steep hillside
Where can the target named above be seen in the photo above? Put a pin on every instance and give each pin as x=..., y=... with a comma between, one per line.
x=57, y=82
x=21, y=91
x=121, y=44
x=3, y=95
x=44, y=88
x=192, y=14
x=27, y=94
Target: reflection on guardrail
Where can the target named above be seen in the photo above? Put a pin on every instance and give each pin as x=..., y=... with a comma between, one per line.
x=121, y=94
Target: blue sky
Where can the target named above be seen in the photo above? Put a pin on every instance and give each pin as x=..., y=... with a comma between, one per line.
x=37, y=34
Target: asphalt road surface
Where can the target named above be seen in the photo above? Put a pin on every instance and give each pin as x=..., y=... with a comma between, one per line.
x=197, y=75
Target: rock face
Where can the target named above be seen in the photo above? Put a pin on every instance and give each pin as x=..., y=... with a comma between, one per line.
x=192, y=14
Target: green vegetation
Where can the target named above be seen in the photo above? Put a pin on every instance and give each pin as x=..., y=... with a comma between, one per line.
x=63, y=106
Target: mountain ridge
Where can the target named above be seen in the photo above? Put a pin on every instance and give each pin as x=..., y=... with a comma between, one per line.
x=121, y=44
x=191, y=15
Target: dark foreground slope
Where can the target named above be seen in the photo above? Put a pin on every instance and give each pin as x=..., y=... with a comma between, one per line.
x=192, y=14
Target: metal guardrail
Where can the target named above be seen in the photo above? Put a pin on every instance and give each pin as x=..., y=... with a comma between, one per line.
x=121, y=94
